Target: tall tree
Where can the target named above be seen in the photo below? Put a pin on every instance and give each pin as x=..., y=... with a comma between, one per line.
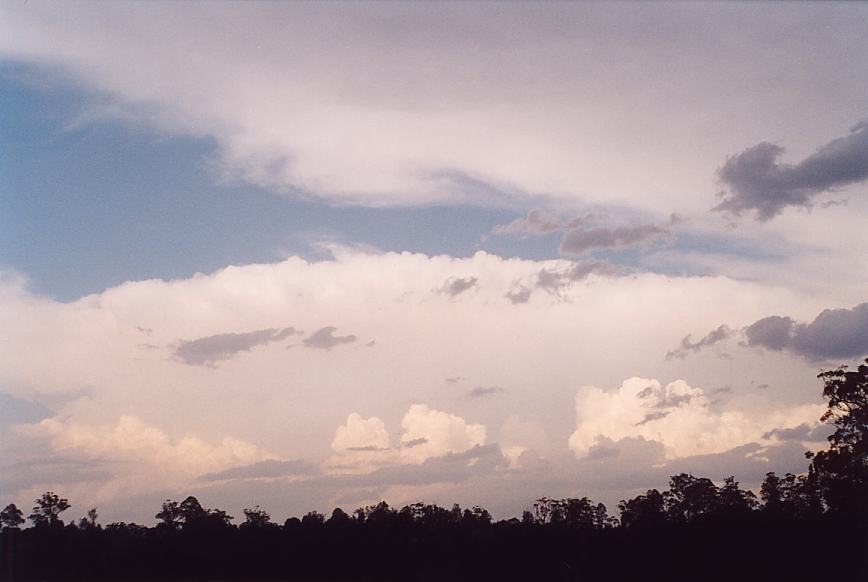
x=169, y=515
x=256, y=518
x=11, y=517
x=732, y=500
x=48, y=509
x=689, y=497
x=841, y=472
x=643, y=511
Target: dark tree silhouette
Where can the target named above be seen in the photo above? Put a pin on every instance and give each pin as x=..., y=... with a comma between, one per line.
x=191, y=511
x=256, y=518
x=89, y=520
x=689, y=497
x=734, y=501
x=644, y=511
x=312, y=519
x=11, y=517
x=47, y=510
x=169, y=515
x=841, y=472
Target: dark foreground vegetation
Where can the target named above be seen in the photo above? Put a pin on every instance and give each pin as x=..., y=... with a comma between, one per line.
x=805, y=527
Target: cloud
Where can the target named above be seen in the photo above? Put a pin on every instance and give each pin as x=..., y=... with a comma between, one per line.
x=206, y=351
x=443, y=433
x=362, y=445
x=758, y=183
x=450, y=467
x=483, y=391
x=536, y=222
x=540, y=222
x=556, y=280
x=519, y=294
x=414, y=443
x=325, y=339
x=19, y=411
x=797, y=433
x=360, y=434
x=81, y=359
x=652, y=416
x=834, y=333
x=457, y=285
x=579, y=241
x=715, y=336
x=269, y=469
x=150, y=449
x=677, y=415
x=50, y=471
x=456, y=104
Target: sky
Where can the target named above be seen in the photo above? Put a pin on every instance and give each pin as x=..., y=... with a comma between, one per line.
x=316, y=255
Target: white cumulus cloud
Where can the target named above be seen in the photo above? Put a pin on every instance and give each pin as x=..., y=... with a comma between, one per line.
x=432, y=433
x=677, y=415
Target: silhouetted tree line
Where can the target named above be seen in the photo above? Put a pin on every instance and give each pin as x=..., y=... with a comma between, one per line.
x=802, y=527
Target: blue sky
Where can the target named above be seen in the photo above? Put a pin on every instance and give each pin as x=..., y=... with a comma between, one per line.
x=359, y=241
x=87, y=206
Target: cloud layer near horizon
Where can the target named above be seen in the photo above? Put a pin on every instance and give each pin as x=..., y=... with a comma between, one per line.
x=360, y=407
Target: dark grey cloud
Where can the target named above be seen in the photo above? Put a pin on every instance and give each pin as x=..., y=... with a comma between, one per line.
x=271, y=468
x=52, y=470
x=673, y=400
x=797, y=433
x=206, y=351
x=414, y=443
x=457, y=285
x=774, y=332
x=367, y=449
x=580, y=241
x=483, y=391
x=646, y=392
x=834, y=333
x=627, y=454
x=454, y=379
x=663, y=400
x=450, y=468
x=325, y=338
x=652, y=416
x=554, y=281
x=757, y=182
x=687, y=347
x=602, y=451
x=519, y=294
